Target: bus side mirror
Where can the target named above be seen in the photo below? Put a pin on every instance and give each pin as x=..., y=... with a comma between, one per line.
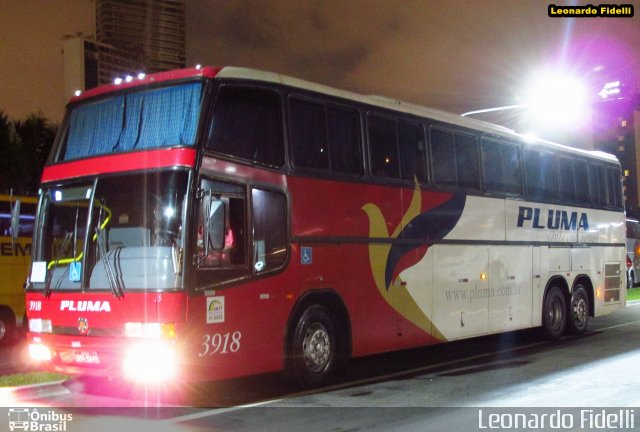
x=15, y=221
x=214, y=226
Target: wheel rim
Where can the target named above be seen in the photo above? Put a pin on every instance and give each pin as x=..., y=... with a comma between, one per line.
x=580, y=311
x=316, y=347
x=555, y=314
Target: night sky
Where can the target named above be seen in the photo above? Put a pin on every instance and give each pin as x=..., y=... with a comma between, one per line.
x=455, y=55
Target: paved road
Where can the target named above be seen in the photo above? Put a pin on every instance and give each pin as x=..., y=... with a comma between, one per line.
x=399, y=391
x=14, y=358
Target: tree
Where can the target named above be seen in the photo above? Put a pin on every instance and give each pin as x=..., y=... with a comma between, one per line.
x=11, y=158
x=24, y=147
x=36, y=135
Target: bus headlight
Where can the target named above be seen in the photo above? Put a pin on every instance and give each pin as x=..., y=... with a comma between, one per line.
x=39, y=325
x=39, y=352
x=150, y=330
x=150, y=361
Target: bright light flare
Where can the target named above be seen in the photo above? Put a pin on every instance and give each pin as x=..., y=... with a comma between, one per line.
x=530, y=137
x=150, y=362
x=169, y=212
x=39, y=352
x=557, y=100
x=150, y=330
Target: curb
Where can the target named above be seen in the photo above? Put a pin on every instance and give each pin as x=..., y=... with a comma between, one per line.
x=38, y=391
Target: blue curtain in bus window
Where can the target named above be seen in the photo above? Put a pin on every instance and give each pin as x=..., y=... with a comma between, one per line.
x=95, y=128
x=156, y=118
x=162, y=117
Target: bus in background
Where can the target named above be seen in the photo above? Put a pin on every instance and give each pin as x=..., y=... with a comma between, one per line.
x=633, y=252
x=14, y=263
x=211, y=223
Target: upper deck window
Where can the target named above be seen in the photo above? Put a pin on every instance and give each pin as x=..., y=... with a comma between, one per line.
x=325, y=137
x=501, y=167
x=160, y=117
x=383, y=143
x=541, y=174
x=247, y=123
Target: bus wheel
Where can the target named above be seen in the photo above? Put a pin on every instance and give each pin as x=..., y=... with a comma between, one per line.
x=7, y=327
x=578, y=310
x=554, y=317
x=313, y=348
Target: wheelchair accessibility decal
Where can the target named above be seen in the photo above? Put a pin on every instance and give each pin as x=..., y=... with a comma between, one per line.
x=306, y=256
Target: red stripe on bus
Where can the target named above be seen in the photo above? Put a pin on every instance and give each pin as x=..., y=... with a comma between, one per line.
x=119, y=163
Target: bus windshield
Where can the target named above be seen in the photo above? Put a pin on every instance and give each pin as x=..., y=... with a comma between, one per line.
x=117, y=233
x=157, y=117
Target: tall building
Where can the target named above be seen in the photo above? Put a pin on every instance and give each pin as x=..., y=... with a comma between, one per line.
x=617, y=131
x=151, y=31
x=131, y=36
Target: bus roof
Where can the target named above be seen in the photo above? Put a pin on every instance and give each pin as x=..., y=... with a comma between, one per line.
x=233, y=72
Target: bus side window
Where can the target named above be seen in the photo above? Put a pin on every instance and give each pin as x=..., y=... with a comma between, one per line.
x=5, y=218
x=269, y=230
x=567, y=180
x=343, y=126
x=443, y=162
x=383, y=145
x=26, y=219
x=219, y=227
x=594, y=186
x=501, y=167
x=247, y=123
x=412, y=152
x=467, y=161
x=309, y=135
x=582, y=191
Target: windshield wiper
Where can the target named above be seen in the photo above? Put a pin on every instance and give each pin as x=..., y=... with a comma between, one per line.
x=61, y=251
x=114, y=283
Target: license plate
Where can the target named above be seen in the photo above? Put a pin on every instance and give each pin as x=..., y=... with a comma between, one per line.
x=86, y=357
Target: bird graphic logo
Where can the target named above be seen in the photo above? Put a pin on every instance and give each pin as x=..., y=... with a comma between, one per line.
x=392, y=253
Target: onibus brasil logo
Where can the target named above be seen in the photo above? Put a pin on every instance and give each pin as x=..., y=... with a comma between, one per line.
x=34, y=420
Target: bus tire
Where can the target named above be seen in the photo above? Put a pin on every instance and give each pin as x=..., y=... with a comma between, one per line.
x=7, y=327
x=578, y=310
x=313, y=352
x=554, y=314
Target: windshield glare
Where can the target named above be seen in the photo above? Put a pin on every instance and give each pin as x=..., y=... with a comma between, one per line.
x=125, y=235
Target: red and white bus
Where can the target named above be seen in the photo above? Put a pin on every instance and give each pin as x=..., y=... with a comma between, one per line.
x=211, y=223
